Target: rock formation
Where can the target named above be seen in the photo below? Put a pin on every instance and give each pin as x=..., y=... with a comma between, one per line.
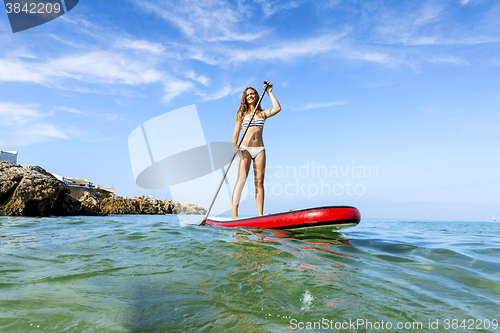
x=148, y=205
x=187, y=208
x=91, y=203
x=32, y=191
x=138, y=205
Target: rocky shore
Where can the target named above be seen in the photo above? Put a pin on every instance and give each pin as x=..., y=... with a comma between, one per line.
x=32, y=191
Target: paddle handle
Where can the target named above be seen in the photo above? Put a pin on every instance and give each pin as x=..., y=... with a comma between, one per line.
x=266, y=84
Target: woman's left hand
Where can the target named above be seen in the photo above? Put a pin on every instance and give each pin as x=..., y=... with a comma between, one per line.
x=269, y=87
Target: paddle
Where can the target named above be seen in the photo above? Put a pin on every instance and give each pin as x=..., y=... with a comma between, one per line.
x=266, y=84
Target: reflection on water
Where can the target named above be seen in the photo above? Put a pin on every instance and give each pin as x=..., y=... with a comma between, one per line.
x=302, y=240
x=15, y=240
x=19, y=237
x=319, y=238
x=313, y=262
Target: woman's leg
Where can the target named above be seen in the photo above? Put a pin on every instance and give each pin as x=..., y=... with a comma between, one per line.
x=259, y=167
x=244, y=160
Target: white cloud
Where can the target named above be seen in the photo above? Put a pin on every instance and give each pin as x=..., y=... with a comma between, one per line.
x=39, y=133
x=95, y=67
x=209, y=20
x=281, y=50
x=447, y=60
x=12, y=114
x=22, y=52
x=111, y=117
x=270, y=7
x=224, y=34
x=430, y=12
x=433, y=24
x=14, y=70
x=381, y=58
x=105, y=116
x=290, y=49
x=71, y=110
x=331, y=45
x=437, y=40
x=221, y=93
x=311, y=106
x=103, y=67
x=142, y=45
x=100, y=70
x=329, y=4
x=338, y=45
x=199, y=78
x=23, y=124
x=175, y=88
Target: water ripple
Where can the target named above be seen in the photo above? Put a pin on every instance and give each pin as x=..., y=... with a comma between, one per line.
x=149, y=273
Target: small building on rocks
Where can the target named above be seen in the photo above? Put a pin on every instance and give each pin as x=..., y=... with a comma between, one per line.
x=8, y=156
x=76, y=186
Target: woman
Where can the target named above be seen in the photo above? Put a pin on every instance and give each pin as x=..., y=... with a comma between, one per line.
x=252, y=147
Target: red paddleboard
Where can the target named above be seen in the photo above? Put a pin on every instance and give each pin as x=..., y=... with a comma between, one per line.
x=310, y=218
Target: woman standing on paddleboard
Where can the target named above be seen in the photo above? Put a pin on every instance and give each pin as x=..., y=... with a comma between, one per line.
x=252, y=147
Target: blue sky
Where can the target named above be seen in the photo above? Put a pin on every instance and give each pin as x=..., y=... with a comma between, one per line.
x=410, y=89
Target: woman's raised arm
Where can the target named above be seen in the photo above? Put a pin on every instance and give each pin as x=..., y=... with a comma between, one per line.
x=276, y=105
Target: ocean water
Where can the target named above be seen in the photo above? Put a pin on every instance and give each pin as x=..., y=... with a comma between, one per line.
x=150, y=274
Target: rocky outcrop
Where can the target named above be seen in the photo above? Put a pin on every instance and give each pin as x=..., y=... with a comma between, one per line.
x=148, y=205
x=32, y=191
x=187, y=208
x=139, y=205
x=29, y=191
x=91, y=203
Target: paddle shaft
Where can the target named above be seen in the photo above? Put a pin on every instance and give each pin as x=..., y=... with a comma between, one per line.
x=238, y=148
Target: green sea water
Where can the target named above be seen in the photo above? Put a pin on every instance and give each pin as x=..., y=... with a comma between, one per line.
x=150, y=274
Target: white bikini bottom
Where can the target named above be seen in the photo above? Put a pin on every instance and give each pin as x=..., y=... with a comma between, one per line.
x=254, y=151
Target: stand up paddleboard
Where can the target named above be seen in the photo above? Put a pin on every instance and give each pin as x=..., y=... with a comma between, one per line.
x=333, y=217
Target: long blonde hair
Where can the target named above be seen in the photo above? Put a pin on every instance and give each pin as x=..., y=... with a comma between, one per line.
x=242, y=110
